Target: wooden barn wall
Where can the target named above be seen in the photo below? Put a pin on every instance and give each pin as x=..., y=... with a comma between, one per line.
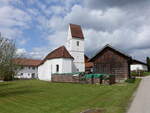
x=111, y=62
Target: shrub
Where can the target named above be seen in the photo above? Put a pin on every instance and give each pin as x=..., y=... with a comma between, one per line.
x=139, y=73
x=8, y=78
x=130, y=80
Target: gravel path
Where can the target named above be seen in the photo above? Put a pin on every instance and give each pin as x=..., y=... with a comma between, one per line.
x=141, y=102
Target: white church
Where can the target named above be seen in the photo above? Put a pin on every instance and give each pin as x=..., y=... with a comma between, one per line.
x=65, y=59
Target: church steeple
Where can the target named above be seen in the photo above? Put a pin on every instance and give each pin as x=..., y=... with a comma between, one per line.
x=75, y=45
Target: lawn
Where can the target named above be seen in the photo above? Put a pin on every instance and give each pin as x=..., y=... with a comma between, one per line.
x=33, y=96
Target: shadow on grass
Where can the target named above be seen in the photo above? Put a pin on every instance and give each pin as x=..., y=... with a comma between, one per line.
x=4, y=84
x=17, y=92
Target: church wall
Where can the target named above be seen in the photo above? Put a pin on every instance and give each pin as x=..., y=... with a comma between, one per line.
x=49, y=67
x=67, y=66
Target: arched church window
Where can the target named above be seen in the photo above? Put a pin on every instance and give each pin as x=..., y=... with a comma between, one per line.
x=57, y=68
x=77, y=43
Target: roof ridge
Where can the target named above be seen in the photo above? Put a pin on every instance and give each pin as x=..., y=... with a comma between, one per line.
x=115, y=49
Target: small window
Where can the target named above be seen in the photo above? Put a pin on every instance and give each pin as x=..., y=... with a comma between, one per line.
x=29, y=67
x=78, y=70
x=33, y=68
x=57, y=68
x=33, y=75
x=21, y=74
x=77, y=43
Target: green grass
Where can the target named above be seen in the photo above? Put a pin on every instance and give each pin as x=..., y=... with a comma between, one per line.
x=33, y=96
x=141, y=73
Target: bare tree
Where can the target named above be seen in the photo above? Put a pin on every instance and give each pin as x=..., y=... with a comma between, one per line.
x=8, y=68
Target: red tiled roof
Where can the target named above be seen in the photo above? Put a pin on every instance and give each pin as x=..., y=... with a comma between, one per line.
x=27, y=62
x=60, y=52
x=76, y=31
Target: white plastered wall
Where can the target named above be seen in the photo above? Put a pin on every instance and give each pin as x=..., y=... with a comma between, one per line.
x=135, y=67
x=49, y=67
x=27, y=72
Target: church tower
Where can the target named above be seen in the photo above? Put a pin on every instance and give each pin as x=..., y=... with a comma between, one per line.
x=75, y=46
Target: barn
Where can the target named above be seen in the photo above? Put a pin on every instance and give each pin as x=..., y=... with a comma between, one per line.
x=112, y=61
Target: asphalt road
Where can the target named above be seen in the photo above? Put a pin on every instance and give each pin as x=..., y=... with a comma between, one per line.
x=141, y=102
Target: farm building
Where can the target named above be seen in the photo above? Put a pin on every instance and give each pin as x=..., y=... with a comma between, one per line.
x=29, y=68
x=138, y=66
x=112, y=61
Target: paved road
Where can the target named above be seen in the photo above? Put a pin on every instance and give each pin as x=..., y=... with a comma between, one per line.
x=141, y=102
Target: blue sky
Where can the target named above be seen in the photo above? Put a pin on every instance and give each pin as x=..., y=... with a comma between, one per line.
x=39, y=26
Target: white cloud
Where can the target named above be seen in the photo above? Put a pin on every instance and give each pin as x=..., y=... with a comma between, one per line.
x=96, y=19
x=21, y=51
x=57, y=39
x=10, y=33
x=10, y=21
x=57, y=10
x=11, y=16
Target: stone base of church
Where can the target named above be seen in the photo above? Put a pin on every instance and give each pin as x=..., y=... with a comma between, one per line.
x=65, y=78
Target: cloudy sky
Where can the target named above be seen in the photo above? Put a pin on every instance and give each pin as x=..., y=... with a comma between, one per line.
x=39, y=26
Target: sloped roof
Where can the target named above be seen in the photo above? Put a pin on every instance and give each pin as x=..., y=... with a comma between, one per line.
x=134, y=61
x=60, y=52
x=76, y=31
x=27, y=62
x=113, y=49
x=86, y=58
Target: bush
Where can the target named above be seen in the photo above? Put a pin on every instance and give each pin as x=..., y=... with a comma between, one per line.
x=8, y=78
x=130, y=80
x=139, y=73
x=146, y=73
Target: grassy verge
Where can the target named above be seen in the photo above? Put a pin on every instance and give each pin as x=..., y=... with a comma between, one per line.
x=140, y=73
x=33, y=96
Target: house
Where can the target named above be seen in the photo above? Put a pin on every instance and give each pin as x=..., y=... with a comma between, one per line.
x=29, y=68
x=138, y=66
x=110, y=60
x=65, y=59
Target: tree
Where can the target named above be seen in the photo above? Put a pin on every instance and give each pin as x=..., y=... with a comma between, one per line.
x=8, y=68
x=148, y=63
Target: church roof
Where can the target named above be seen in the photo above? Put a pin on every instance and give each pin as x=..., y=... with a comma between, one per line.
x=76, y=31
x=60, y=52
